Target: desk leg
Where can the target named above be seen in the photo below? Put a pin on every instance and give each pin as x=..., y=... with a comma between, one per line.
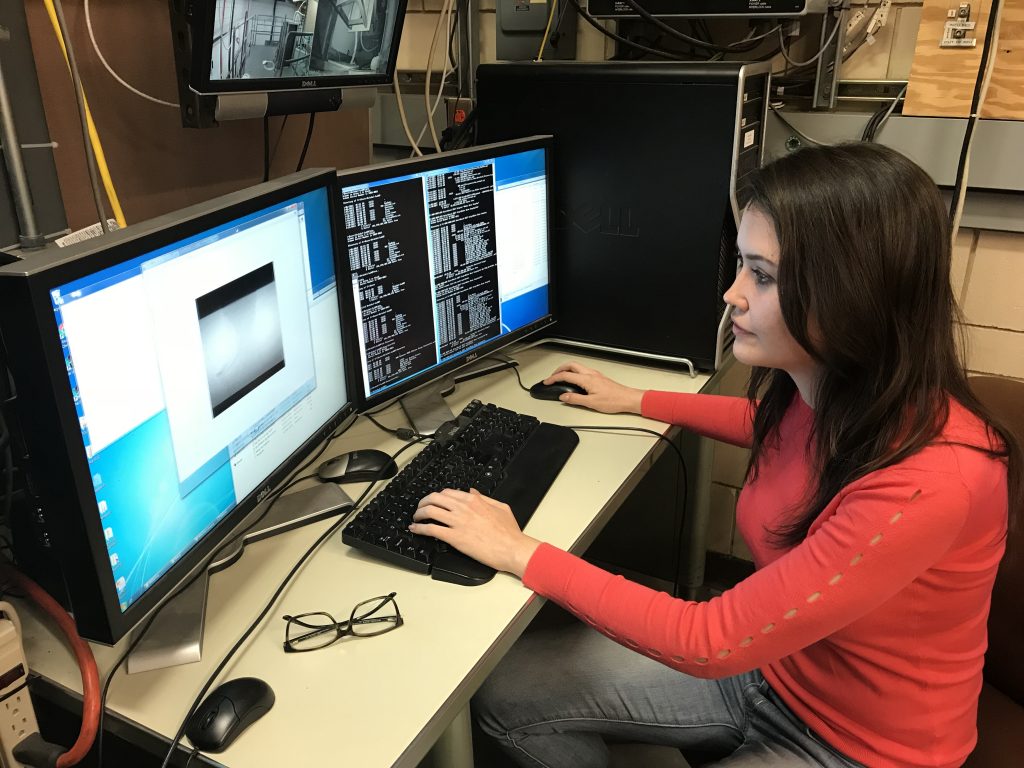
x=696, y=522
x=454, y=748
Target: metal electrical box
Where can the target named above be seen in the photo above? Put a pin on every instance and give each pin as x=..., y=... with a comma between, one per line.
x=617, y=9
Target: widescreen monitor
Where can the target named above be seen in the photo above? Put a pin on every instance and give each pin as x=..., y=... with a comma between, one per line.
x=448, y=260
x=288, y=45
x=168, y=376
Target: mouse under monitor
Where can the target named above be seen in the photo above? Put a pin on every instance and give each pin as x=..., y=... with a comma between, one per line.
x=362, y=466
x=228, y=710
x=554, y=390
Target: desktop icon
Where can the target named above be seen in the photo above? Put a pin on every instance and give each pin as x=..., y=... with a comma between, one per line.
x=114, y=560
x=102, y=506
x=108, y=534
x=120, y=584
x=97, y=480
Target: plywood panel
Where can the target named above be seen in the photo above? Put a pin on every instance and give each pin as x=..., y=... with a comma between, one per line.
x=942, y=79
x=1005, y=97
x=157, y=165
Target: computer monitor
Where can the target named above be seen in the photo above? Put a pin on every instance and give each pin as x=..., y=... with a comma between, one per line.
x=288, y=45
x=168, y=376
x=448, y=261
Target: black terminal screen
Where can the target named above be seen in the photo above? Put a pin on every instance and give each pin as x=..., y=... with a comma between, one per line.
x=445, y=261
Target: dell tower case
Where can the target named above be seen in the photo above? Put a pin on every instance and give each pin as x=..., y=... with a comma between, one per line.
x=648, y=158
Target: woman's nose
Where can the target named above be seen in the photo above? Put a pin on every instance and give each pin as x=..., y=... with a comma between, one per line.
x=734, y=296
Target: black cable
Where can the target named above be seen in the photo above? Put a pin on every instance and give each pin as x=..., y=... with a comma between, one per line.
x=305, y=144
x=451, y=39
x=515, y=369
x=993, y=15
x=293, y=480
x=266, y=148
x=195, y=751
x=682, y=464
x=270, y=604
x=277, y=141
x=138, y=637
x=618, y=38
x=403, y=433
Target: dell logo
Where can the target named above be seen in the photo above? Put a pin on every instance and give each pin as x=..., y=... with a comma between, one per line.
x=604, y=219
x=309, y=83
x=264, y=492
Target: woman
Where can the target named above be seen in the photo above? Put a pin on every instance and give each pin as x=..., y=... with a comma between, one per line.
x=875, y=508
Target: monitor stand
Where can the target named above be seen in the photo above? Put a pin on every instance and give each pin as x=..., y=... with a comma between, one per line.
x=176, y=634
x=426, y=408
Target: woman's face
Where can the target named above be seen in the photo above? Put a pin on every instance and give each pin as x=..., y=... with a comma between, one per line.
x=762, y=338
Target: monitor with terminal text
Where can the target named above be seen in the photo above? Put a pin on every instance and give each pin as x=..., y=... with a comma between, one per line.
x=448, y=260
x=168, y=376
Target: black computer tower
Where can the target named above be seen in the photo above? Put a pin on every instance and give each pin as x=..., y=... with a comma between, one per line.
x=647, y=161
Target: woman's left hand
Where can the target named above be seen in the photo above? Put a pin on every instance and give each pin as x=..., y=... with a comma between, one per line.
x=477, y=526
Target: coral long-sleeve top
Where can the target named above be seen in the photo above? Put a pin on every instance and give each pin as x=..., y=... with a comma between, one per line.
x=872, y=629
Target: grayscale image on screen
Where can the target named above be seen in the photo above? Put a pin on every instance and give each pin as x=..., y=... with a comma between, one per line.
x=280, y=39
x=240, y=327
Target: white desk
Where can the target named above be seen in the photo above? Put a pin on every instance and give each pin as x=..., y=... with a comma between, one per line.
x=381, y=701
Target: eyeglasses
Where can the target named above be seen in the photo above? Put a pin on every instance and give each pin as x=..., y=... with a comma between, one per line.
x=312, y=631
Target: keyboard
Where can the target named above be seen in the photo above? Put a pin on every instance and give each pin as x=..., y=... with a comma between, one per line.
x=508, y=456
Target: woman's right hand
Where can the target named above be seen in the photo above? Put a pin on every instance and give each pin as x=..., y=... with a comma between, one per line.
x=602, y=395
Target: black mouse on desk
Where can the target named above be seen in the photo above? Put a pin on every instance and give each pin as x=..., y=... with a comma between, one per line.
x=358, y=467
x=228, y=710
x=554, y=390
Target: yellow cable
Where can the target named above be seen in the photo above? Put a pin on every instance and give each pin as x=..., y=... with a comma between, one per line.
x=94, y=137
x=547, y=30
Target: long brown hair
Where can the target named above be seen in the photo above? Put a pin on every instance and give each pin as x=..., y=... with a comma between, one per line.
x=865, y=263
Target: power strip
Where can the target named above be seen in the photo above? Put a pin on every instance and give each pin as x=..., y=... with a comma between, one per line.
x=17, y=717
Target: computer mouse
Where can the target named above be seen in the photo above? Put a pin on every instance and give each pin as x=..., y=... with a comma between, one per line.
x=554, y=390
x=228, y=710
x=361, y=466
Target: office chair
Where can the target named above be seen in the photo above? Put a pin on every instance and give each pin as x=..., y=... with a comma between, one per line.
x=1001, y=707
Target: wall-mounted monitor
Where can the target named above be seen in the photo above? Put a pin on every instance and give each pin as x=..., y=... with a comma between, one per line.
x=168, y=376
x=448, y=260
x=275, y=45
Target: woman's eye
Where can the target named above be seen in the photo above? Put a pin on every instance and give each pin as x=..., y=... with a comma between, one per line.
x=762, y=278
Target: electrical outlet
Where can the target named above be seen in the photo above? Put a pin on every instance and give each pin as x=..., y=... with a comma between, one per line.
x=958, y=31
x=17, y=716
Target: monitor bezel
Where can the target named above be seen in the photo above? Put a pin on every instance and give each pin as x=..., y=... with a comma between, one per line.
x=202, y=24
x=58, y=469
x=428, y=163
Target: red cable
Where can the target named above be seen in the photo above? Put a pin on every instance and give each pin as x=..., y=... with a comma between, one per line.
x=86, y=663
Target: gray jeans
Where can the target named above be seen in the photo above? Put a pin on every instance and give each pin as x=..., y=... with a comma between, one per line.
x=558, y=694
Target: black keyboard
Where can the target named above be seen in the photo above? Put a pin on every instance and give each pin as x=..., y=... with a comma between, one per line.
x=506, y=455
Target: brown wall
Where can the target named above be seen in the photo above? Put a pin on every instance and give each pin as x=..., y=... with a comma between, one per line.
x=156, y=165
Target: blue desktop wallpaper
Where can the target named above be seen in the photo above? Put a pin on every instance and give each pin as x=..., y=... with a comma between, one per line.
x=152, y=523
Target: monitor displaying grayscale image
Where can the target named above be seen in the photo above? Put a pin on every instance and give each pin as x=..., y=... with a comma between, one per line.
x=240, y=330
x=282, y=44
